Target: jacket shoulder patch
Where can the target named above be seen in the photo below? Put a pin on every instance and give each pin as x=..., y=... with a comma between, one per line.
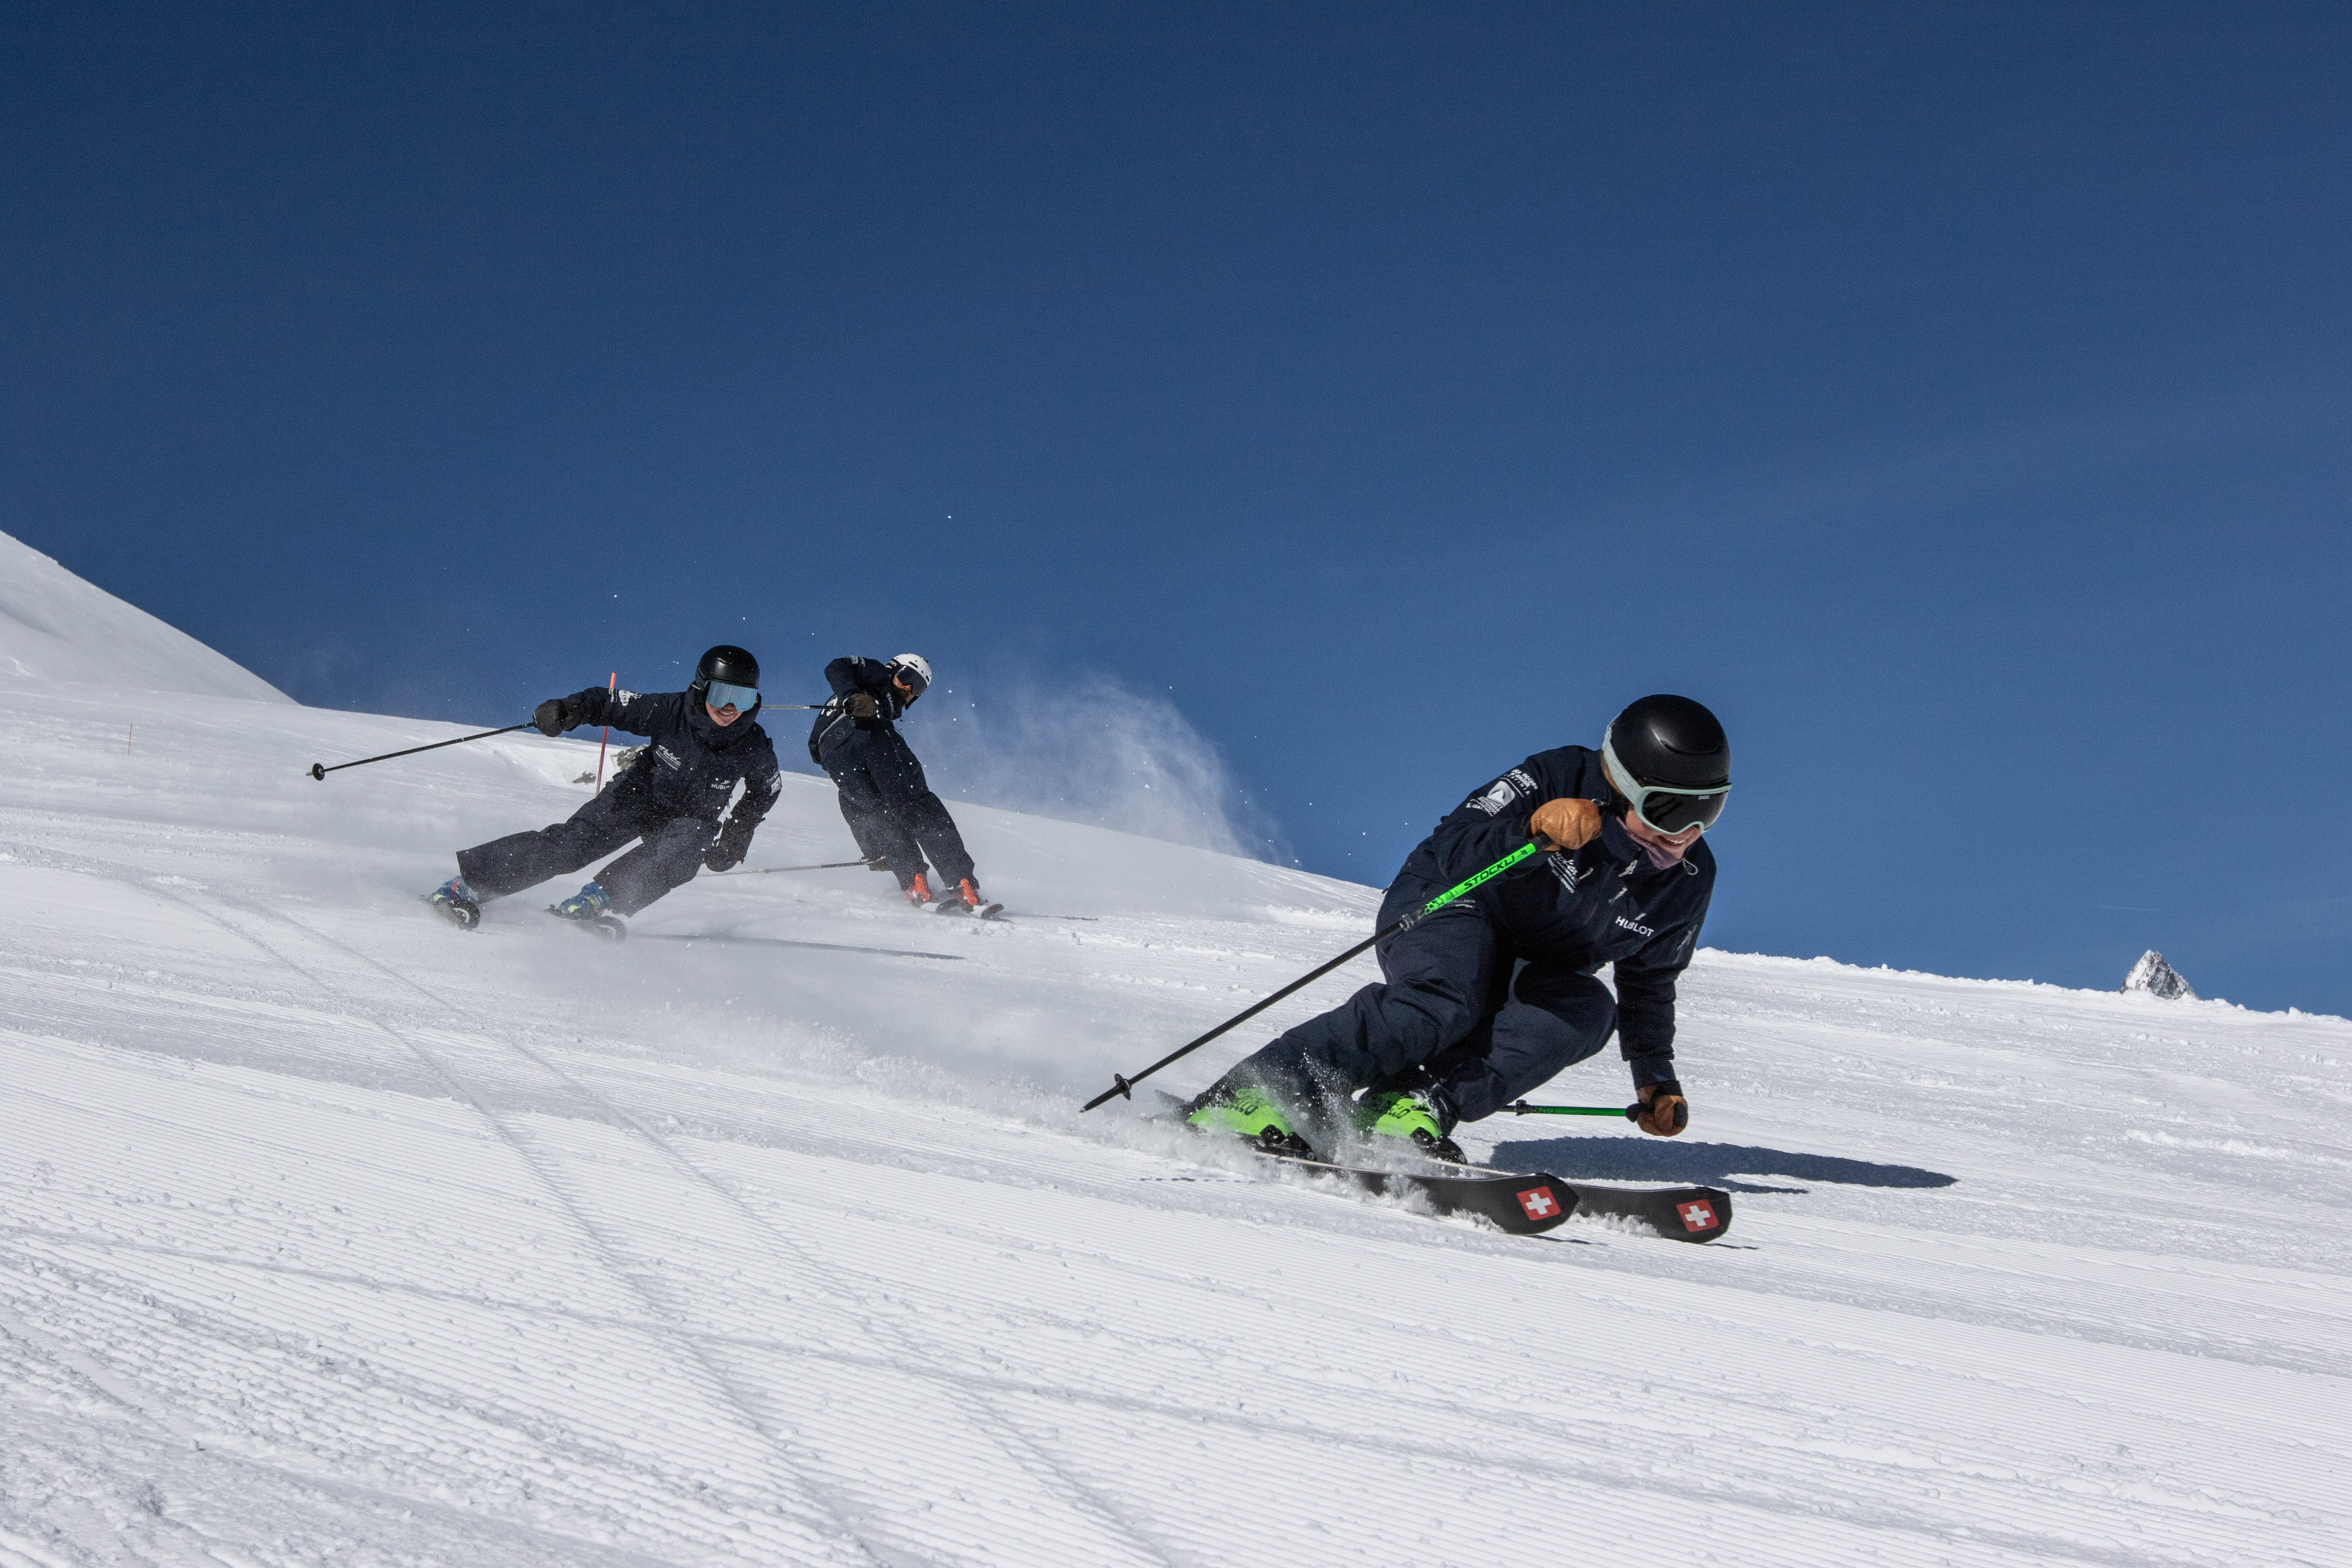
x=1497, y=797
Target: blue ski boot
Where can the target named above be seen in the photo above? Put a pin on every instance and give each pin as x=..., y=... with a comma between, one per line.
x=591, y=910
x=457, y=902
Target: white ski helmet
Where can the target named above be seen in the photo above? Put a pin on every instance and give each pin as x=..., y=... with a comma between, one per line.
x=915, y=669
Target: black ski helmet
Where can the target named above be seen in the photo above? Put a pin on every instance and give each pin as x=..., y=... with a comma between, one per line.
x=1673, y=745
x=725, y=663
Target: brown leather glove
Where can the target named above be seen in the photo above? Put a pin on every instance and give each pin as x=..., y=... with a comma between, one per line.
x=1664, y=1111
x=860, y=705
x=1568, y=824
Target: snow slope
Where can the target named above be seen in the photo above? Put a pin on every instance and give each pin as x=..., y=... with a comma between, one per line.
x=330, y=1235
x=56, y=628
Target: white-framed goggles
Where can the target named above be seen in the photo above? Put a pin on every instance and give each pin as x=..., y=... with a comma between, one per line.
x=722, y=694
x=1671, y=809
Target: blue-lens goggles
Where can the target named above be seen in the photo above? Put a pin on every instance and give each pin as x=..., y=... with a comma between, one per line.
x=742, y=699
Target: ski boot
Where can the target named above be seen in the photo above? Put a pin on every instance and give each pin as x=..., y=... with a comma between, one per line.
x=455, y=902
x=591, y=910
x=917, y=892
x=1397, y=1113
x=1251, y=1113
x=965, y=900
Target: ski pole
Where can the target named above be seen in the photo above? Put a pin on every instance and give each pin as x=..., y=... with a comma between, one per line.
x=320, y=769
x=1122, y=1085
x=605, y=733
x=769, y=871
x=1521, y=1107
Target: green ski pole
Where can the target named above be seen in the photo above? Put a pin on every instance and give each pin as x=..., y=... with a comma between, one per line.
x=1122, y=1085
x=1521, y=1107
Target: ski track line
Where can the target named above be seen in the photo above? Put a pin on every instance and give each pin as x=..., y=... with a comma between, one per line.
x=1131, y=1545
x=809, y=1460
x=1007, y=1436
x=814, y=1539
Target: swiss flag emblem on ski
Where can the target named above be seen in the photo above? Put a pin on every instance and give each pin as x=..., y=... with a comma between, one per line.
x=1540, y=1204
x=1698, y=1215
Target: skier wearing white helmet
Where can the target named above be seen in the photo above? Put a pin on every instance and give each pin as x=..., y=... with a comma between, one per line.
x=891, y=811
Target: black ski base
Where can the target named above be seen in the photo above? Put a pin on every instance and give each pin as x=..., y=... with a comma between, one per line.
x=954, y=905
x=1525, y=1204
x=1679, y=1214
x=783, y=942
x=1521, y=1203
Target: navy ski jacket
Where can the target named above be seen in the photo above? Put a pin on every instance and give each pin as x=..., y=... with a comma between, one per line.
x=1603, y=904
x=690, y=765
x=849, y=675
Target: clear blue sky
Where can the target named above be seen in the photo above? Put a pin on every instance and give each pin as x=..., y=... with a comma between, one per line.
x=1957, y=398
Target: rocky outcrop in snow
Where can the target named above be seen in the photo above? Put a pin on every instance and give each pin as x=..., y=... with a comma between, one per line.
x=2157, y=978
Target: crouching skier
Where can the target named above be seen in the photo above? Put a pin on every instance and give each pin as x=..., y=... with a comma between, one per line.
x=701, y=741
x=1494, y=994
x=891, y=811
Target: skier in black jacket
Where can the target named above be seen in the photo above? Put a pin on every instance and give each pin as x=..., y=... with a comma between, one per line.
x=891, y=811
x=1494, y=994
x=701, y=742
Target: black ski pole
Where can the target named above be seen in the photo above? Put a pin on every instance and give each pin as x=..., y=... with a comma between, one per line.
x=320, y=769
x=769, y=871
x=1122, y=1085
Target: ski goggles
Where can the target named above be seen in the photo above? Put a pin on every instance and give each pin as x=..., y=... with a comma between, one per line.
x=908, y=676
x=742, y=699
x=1670, y=809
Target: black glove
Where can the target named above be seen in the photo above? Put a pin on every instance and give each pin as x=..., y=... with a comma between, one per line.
x=553, y=716
x=727, y=851
x=860, y=705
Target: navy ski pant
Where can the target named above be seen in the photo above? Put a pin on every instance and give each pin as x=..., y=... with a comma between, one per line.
x=1462, y=1018
x=891, y=811
x=669, y=857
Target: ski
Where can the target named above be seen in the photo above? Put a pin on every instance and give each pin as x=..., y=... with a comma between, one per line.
x=783, y=942
x=953, y=904
x=1531, y=1203
x=1679, y=1214
x=1520, y=1204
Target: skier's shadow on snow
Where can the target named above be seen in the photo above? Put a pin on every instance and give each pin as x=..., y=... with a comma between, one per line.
x=1701, y=1164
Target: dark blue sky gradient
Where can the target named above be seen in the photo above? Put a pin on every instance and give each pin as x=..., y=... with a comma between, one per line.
x=1954, y=397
